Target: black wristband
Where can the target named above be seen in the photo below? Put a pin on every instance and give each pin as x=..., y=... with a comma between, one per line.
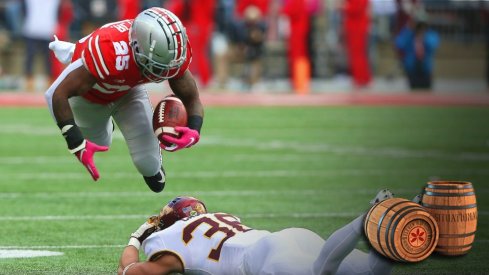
x=195, y=122
x=71, y=133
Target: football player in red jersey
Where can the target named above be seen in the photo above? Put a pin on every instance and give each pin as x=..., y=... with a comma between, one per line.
x=104, y=83
x=185, y=238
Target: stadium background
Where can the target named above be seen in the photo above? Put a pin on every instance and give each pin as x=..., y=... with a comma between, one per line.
x=272, y=156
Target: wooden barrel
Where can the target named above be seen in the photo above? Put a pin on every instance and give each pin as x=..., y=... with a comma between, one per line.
x=401, y=230
x=453, y=205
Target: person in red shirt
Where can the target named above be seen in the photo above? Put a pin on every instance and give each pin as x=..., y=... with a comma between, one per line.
x=128, y=9
x=62, y=31
x=198, y=17
x=242, y=5
x=298, y=53
x=104, y=83
x=356, y=26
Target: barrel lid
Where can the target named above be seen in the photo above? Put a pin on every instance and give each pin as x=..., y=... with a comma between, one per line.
x=449, y=185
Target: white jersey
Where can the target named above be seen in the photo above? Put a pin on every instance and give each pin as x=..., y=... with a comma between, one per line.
x=206, y=244
x=219, y=244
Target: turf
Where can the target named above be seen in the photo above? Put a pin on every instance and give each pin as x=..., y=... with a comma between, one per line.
x=276, y=167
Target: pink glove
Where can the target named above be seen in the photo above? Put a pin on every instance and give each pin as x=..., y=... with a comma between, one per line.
x=85, y=156
x=188, y=137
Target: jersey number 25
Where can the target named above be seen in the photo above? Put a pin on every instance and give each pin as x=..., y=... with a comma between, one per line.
x=122, y=53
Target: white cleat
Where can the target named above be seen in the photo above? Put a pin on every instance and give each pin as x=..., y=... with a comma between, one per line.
x=417, y=199
x=381, y=196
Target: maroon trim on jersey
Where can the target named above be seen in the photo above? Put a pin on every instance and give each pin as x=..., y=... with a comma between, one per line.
x=215, y=253
x=223, y=224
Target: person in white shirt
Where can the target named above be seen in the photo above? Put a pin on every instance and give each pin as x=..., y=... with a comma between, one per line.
x=39, y=26
x=185, y=238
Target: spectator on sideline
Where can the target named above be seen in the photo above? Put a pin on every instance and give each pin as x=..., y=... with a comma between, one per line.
x=39, y=27
x=250, y=40
x=356, y=24
x=221, y=53
x=404, y=13
x=417, y=44
x=297, y=48
x=128, y=9
x=383, y=13
x=62, y=32
x=198, y=17
x=242, y=5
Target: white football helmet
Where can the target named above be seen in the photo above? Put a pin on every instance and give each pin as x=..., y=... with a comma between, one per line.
x=159, y=43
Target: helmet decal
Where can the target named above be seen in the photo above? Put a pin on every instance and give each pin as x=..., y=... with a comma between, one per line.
x=180, y=208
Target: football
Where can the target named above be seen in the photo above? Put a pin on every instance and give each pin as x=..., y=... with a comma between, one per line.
x=168, y=113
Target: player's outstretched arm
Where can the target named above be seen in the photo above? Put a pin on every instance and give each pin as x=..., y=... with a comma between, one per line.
x=166, y=264
x=129, y=263
x=71, y=83
x=74, y=81
x=185, y=88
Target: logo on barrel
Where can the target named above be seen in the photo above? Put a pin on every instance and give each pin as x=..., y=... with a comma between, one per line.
x=416, y=237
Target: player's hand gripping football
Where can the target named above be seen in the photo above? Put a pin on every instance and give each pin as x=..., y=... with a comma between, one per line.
x=187, y=138
x=85, y=155
x=144, y=231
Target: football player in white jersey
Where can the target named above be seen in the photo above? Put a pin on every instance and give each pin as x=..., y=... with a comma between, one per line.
x=104, y=83
x=185, y=238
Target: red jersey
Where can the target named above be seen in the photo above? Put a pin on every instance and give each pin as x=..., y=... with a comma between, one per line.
x=107, y=55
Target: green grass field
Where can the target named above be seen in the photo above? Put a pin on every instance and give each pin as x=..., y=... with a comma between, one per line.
x=275, y=167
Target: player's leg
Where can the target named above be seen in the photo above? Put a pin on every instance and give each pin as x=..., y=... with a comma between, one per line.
x=289, y=251
x=379, y=264
x=343, y=241
x=361, y=263
x=133, y=114
x=93, y=120
x=338, y=246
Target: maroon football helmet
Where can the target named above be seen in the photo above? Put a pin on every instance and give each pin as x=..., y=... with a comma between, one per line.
x=179, y=208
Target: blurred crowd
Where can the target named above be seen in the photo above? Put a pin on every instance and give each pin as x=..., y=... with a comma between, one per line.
x=247, y=39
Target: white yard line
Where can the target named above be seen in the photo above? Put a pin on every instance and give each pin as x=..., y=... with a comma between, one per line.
x=298, y=147
x=14, y=253
x=248, y=174
x=221, y=193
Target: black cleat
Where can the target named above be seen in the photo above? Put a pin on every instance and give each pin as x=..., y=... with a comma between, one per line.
x=157, y=182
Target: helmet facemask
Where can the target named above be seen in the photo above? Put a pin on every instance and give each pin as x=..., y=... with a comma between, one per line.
x=159, y=44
